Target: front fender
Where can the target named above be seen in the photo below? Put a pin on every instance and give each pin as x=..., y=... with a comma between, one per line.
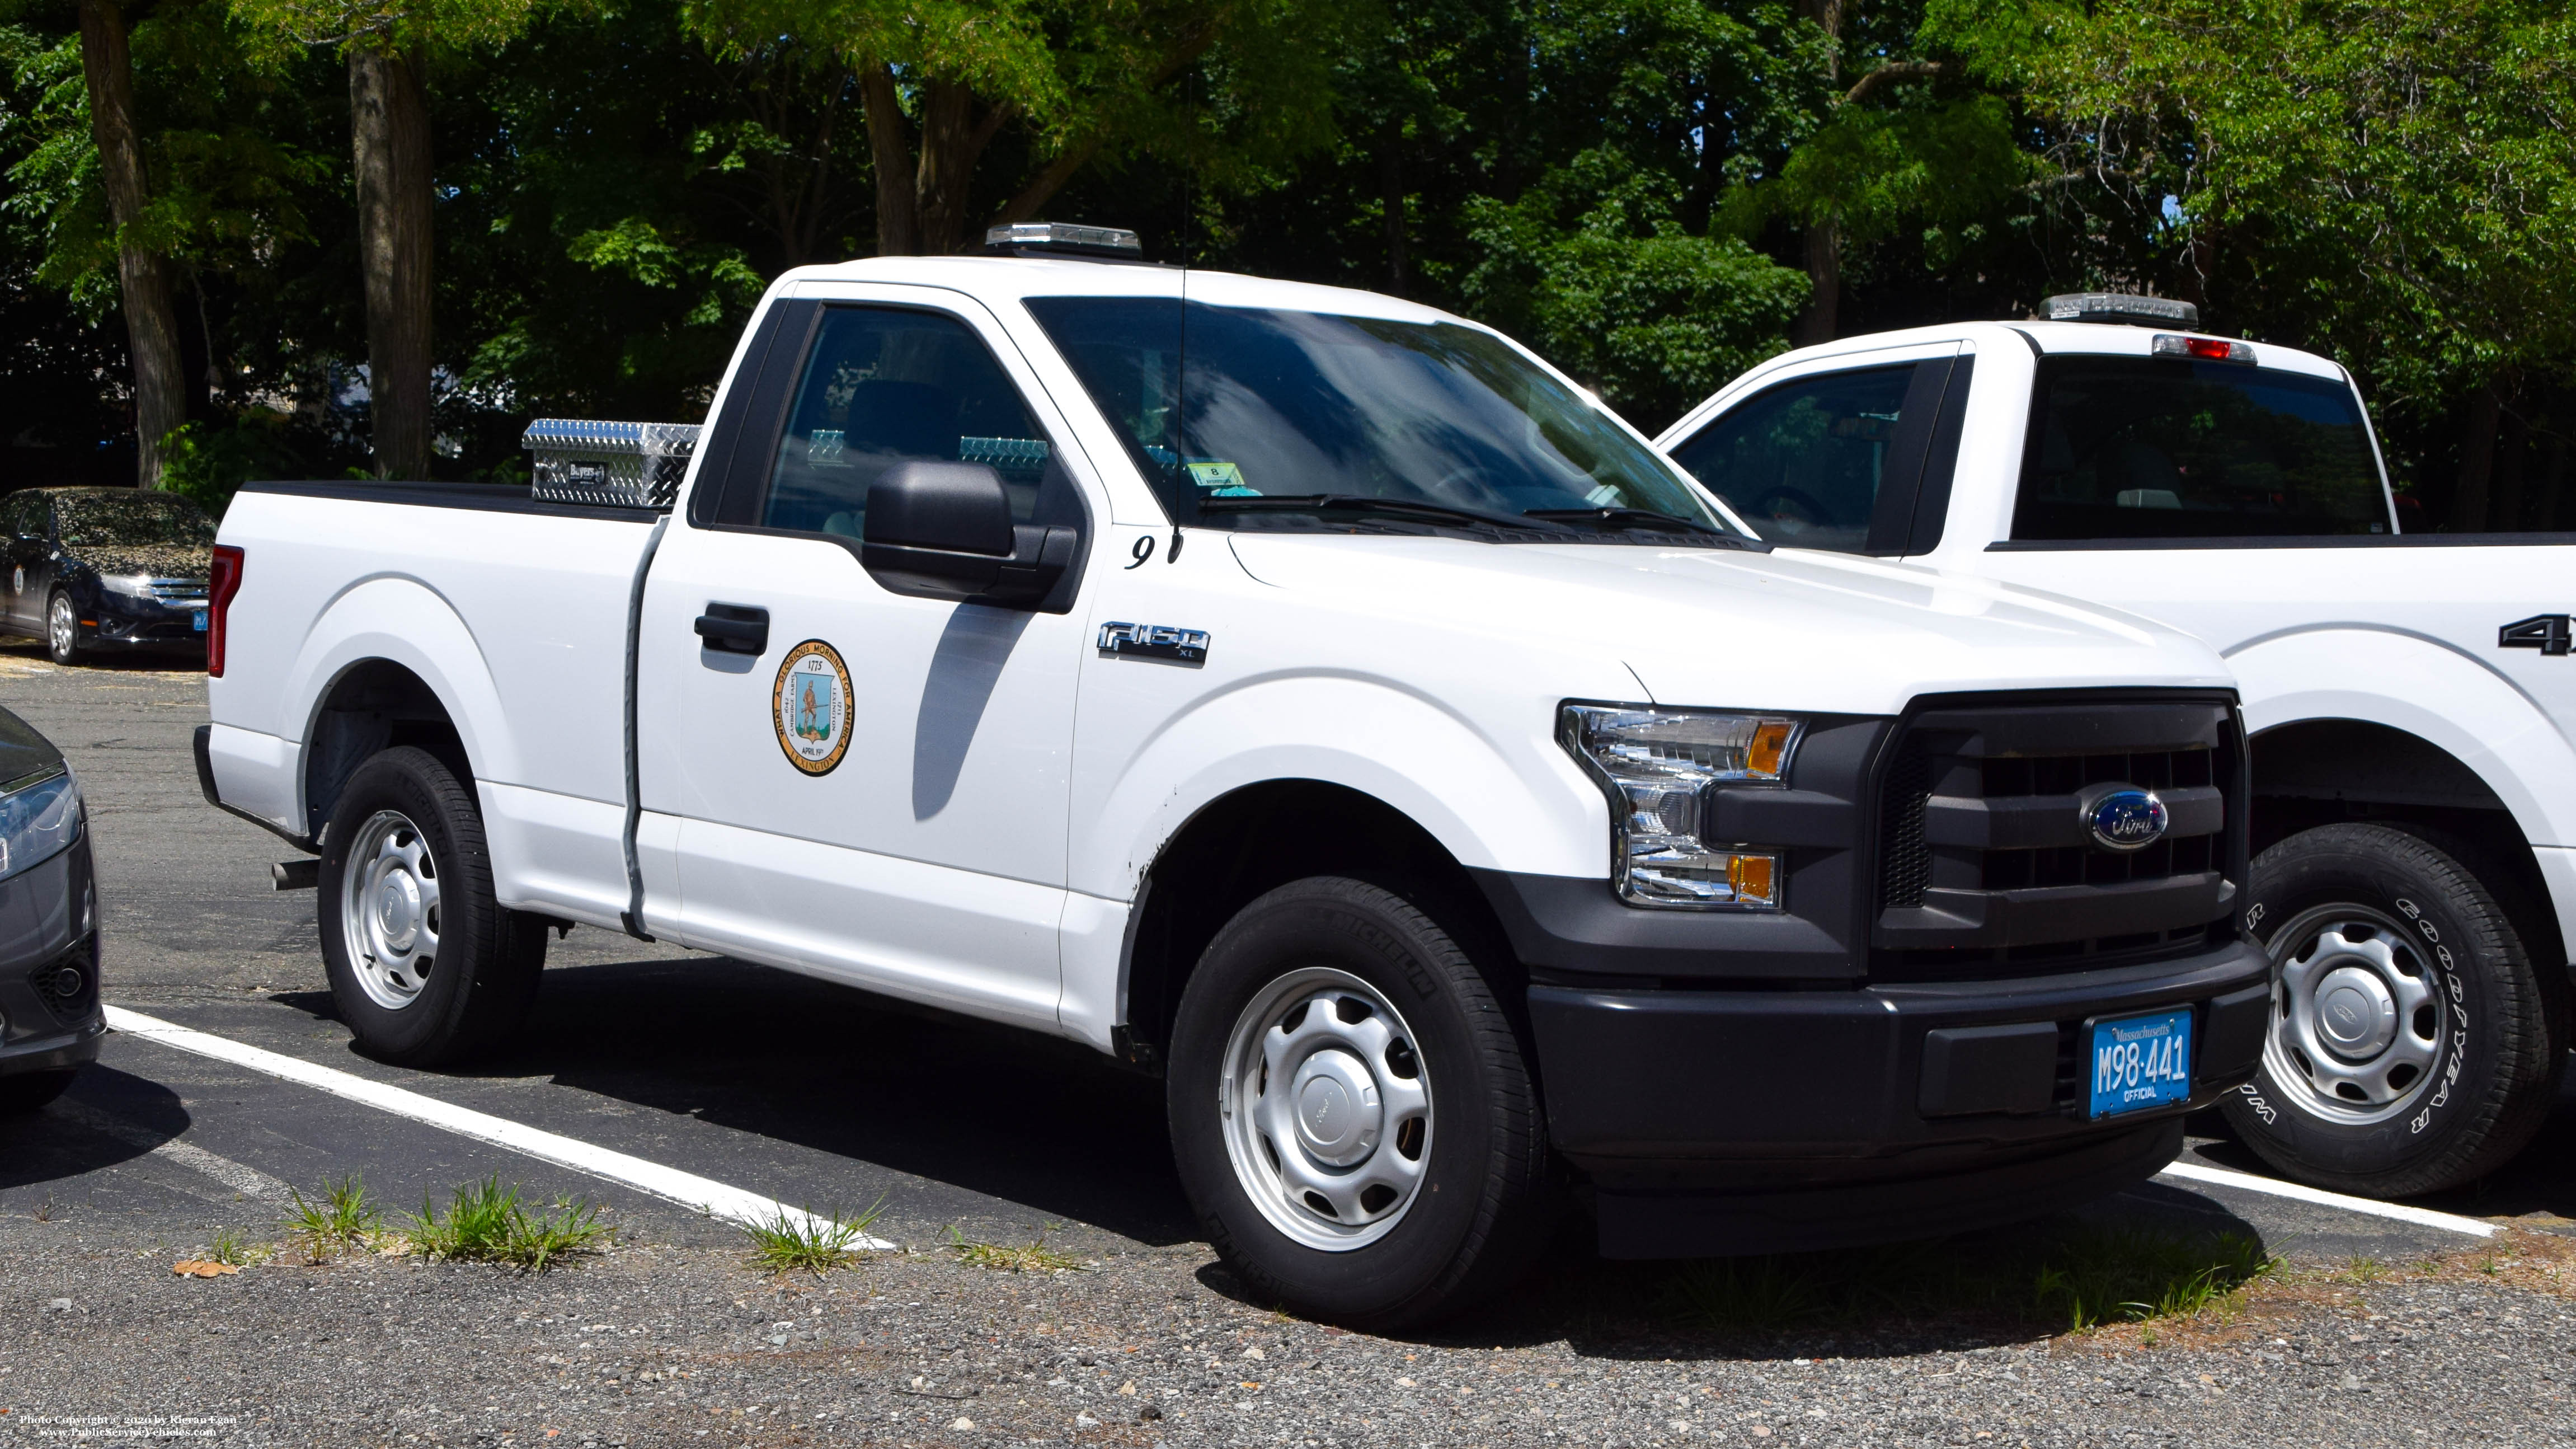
x=1513, y=802
x=2428, y=689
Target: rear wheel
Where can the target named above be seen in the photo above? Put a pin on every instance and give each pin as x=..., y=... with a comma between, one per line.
x=425, y=966
x=1351, y=1112
x=2412, y=1046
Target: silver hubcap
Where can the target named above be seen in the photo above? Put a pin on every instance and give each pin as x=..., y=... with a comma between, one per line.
x=389, y=909
x=2357, y=1016
x=60, y=618
x=1327, y=1109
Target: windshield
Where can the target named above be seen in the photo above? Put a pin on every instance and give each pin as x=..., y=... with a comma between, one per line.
x=1237, y=403
x=2135, y=447
x=121, y=519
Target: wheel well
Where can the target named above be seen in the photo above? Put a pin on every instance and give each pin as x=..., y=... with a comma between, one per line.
x=1262, y=837
x=372, y=707
x=2318, y=772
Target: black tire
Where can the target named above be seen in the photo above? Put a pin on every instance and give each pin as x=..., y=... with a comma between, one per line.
x=30, y=1091
x=478, y=984
x=1483, y=1203
x=2501, y=1034
x=62, y=647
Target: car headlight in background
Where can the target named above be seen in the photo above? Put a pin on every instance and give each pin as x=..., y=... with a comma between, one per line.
x=1658, y=766
x=131, y=586
x=37, y=823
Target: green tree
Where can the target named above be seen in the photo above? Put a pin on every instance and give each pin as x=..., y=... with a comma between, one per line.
x=387, y=44
x=1071, y=83
x=2394, y=180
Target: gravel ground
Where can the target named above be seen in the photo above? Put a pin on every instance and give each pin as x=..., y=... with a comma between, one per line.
x=685, y=1345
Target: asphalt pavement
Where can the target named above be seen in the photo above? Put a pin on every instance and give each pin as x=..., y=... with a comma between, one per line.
x=827, y=1098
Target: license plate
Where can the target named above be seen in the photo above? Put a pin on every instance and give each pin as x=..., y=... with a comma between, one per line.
x=2138, y=1062
x=201, y=621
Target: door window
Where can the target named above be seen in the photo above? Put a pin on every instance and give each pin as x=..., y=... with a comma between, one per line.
x=885, y=385
x=2136, y=447
x=27, y=515
x=1803, y=462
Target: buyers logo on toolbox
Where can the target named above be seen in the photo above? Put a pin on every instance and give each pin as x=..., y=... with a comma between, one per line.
x=811, y=707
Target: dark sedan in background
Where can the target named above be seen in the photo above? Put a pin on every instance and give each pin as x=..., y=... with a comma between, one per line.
x=50, y=1020
x=105, y=568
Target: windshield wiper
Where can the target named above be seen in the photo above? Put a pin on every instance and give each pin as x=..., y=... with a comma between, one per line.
x=1625, y=518
x=1408, y=508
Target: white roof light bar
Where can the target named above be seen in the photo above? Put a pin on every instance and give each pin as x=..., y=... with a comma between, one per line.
x=2119, y=307
x=1058, y=238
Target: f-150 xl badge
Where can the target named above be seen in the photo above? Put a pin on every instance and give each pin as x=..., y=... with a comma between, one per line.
x=2547, y=633
x=1155, y=641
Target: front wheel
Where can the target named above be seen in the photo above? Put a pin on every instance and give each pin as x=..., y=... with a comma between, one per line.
x=62, y=629
x=425, y=966
x=2413, y=1046
x=1351, y=1112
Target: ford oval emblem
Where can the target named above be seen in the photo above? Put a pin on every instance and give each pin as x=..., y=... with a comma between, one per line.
x=2124, y=817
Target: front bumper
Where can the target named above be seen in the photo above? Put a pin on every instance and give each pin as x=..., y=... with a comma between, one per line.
x=50, y=1016
x=120, y=621
x=1719, y=1121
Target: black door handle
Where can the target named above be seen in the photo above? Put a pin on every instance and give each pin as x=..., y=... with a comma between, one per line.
x=735, y=629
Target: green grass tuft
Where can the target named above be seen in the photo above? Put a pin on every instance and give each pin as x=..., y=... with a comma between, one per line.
x=229, y=1248
x=485, y=1223
x=2136, y=1276
x=1036, y=1257
x=341, y=1221
x=810, y=1242
x=2080, y=1280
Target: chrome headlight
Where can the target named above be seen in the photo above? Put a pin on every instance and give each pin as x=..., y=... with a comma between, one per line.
x=1657, y=766
x=38, y=823
x=131, y=586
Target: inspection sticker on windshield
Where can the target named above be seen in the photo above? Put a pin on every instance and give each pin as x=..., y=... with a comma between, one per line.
x=2139, y=1062
x=1218, y=476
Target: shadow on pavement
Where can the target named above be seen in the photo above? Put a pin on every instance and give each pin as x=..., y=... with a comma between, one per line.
x=1047, y=1124
x=69, y=1137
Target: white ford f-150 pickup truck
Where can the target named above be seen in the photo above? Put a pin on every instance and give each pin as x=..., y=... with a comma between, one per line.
x=2409, y=696
x=1301, y=694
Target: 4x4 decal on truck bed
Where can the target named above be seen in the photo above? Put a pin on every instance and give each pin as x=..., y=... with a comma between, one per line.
x=811, y=707
x=2547, y=633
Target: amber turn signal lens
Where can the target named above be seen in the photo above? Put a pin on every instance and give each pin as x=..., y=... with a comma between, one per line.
x=1769, y=750
x=1751, y=876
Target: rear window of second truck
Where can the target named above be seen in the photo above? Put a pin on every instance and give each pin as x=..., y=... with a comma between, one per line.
x=2134, y=447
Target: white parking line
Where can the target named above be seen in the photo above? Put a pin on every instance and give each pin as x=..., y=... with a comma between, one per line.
x=248, y=1181
x=2246, y=1181
x=715, y=1199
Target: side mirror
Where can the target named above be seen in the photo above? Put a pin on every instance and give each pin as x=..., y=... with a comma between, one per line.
x=944, y=531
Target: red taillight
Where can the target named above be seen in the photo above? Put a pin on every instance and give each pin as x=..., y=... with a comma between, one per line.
x=221, y=585
x=2209, y=347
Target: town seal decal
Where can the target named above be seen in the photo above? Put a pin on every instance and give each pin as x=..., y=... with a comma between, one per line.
x=811, y=707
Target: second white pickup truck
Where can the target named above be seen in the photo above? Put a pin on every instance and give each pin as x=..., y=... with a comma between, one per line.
x=1309, y=697
x=2411, y=697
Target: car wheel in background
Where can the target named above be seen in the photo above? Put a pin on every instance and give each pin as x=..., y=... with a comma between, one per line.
x=425, y=966
x=2412, y=1045
x=1351, y=1112
x=62, y=629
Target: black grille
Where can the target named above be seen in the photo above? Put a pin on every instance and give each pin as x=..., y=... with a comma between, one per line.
x=1905, y=861
x=68, y=984
x=1986, y=864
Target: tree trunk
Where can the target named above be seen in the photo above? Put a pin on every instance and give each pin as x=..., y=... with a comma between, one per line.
x=890, y=152
x=2477, y=463
x=1823, y=242
x=151, y=320
x=1390, y=180
x=1824, y=247
x=389, y=136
